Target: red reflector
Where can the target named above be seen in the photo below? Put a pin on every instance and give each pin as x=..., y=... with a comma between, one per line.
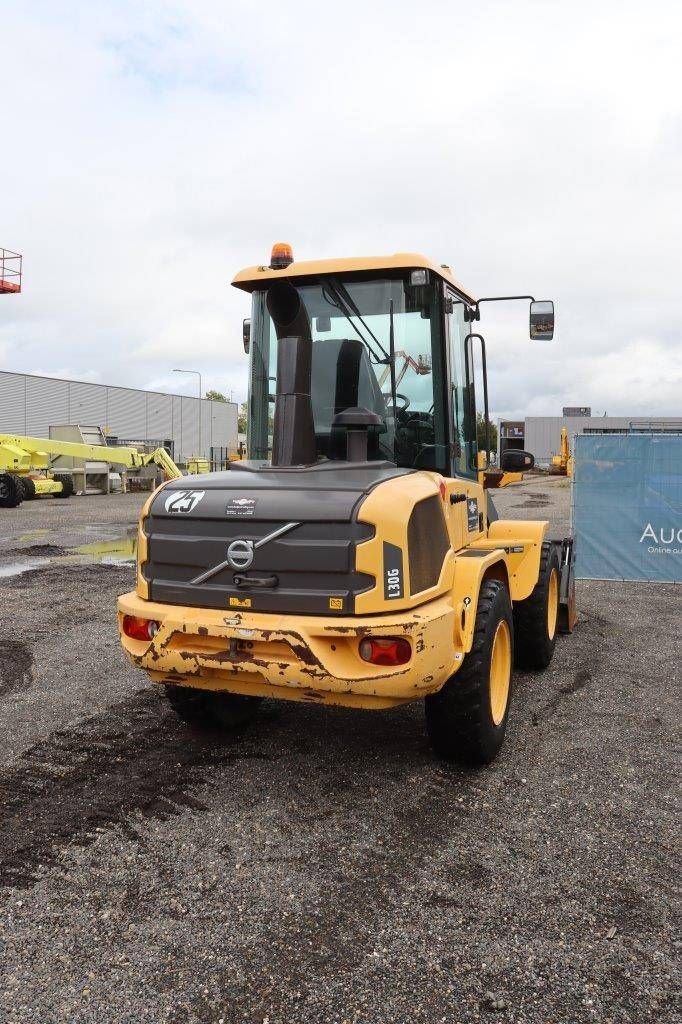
x=139, y=629
x=389, y=650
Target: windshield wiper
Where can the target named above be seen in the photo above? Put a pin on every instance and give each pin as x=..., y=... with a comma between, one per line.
x=343, y=292
x=339, y=297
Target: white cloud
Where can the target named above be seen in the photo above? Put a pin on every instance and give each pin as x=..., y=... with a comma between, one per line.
x=151, y=150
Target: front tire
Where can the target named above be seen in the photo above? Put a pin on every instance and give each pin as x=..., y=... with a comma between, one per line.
x=211, y=710
x=28, y=488
x=467, y=719
x=11, y=492
x=67, y=485
x=536, y=619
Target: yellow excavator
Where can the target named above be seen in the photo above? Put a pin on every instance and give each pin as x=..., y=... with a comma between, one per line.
x=355, y=558
x=25, y=463
x=562, y=464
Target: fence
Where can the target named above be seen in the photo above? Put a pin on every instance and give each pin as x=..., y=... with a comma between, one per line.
x=627, y=506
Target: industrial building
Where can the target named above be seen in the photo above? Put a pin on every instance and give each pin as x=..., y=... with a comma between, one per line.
x=30, y=404
x=541, y=435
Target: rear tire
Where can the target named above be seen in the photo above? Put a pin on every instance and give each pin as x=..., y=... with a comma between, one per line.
x=28, y=488
x=536, y=618
x=467, y=719
x=67, y=485
x=11, y=492
x=208, y=709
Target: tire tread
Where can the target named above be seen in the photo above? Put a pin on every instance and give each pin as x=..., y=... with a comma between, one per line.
x=532, y=646
x=457, y=721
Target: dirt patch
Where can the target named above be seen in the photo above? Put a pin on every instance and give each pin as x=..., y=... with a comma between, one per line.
x=135, y=760
x=535, y=501
x=40, y=551
x=16, y=666
x=581, y=679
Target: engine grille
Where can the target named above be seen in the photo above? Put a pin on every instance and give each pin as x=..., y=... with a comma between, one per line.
x=312, y=564
x=427, y=542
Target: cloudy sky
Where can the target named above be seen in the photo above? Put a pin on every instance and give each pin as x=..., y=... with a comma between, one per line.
x=149, y=150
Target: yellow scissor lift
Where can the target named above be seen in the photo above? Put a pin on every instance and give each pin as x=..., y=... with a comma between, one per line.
x=25, y=465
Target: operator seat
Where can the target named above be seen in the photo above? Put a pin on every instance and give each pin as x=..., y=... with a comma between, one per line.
x=343, y=378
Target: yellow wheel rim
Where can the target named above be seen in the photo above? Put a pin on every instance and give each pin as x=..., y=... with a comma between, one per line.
x=552, y=604
x=500, y=671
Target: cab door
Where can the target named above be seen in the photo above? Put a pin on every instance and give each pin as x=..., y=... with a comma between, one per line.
x=467, y=501
x=463, y=397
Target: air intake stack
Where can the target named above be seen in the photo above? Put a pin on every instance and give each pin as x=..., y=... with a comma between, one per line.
x=293, y=439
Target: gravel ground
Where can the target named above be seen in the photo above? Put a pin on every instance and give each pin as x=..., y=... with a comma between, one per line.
x=321, y=866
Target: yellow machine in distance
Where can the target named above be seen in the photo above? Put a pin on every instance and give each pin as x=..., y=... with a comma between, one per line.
x=355, y=558
x=562, y=464
x=25, y=463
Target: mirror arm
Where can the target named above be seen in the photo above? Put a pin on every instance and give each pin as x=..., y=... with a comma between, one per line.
x=474, y=313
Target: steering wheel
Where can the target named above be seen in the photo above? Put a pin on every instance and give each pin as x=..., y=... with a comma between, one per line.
x=404, y=400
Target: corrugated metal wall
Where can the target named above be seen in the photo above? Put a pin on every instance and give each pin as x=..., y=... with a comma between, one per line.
x=543, y=433
x=30, y=405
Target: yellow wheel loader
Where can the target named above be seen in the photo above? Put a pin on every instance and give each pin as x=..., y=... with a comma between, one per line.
x=355, y=558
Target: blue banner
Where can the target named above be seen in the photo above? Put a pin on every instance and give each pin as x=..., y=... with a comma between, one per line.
x=627, y=507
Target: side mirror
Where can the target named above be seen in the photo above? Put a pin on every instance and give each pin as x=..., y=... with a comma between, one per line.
x=542, y=320
x=246, y=335
x=515, y=461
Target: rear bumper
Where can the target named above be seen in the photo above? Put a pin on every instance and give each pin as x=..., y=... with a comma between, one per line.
x=311, y=658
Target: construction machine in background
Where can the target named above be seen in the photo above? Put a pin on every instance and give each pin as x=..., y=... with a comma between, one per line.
x=26, y=473
x=11, y=271
x=562, y=464
x=355, y=558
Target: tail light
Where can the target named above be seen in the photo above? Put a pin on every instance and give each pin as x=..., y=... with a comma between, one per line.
x=388, y=650
x=139, y=629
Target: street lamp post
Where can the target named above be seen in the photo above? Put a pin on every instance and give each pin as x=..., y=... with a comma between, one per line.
x=196, y=373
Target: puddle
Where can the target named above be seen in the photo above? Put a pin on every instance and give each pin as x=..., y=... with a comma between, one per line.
x=115, y=552
x=109, y=552
x=26, y=565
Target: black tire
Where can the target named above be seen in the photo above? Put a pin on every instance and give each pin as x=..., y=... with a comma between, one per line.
x=11, y=491
x=67, y=484
x=534, y=639
x=459, y=718
x=207, y=709
x=28, y=487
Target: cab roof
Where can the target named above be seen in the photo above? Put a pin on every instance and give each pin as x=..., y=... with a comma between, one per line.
x=252, y=278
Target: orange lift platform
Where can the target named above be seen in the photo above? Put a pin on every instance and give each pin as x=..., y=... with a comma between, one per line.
x=10, y=271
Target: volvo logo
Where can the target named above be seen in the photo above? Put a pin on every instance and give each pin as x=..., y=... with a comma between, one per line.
x=240, y=554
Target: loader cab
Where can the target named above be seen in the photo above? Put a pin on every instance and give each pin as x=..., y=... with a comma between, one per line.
x=391, y=340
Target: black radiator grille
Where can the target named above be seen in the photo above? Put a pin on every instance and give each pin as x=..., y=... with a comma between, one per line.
x=311, y=563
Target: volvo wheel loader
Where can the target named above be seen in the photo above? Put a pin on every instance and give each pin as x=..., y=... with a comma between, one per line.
x=356, y=557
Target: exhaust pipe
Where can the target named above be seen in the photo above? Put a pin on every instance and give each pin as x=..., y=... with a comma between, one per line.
x=293, y=436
